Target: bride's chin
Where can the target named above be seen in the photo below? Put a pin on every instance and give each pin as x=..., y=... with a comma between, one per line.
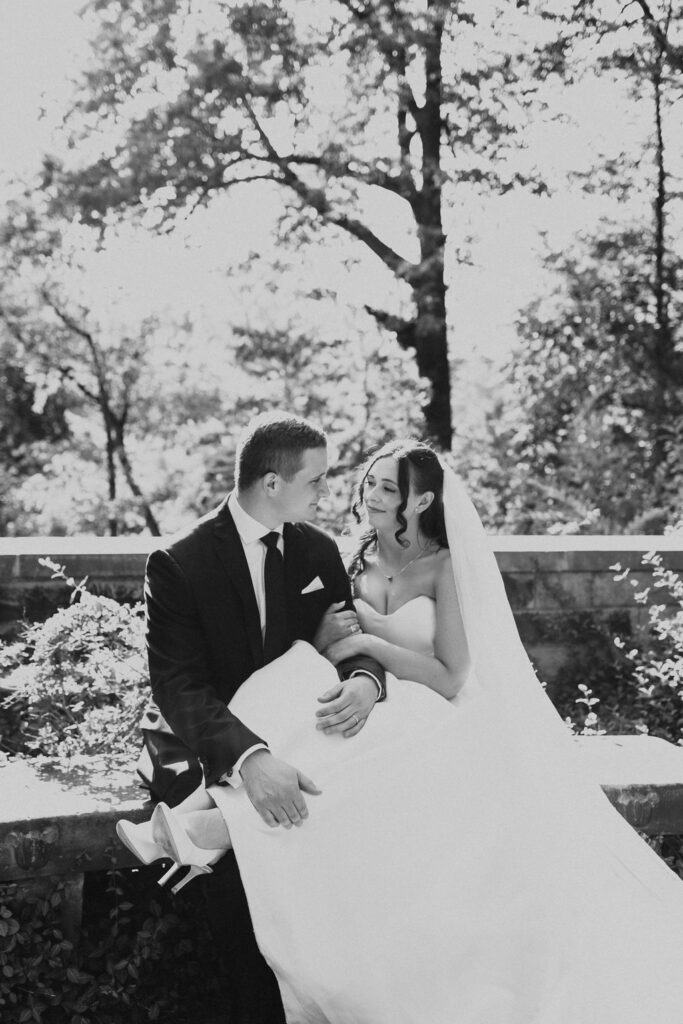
x=380, y=524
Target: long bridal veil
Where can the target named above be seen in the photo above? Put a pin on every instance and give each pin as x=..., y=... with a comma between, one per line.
x=544, y=754
x=459, y=864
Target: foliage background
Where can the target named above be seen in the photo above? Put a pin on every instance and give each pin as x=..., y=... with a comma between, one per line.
x=150, y=303
x=78, y=686
x=487, y=208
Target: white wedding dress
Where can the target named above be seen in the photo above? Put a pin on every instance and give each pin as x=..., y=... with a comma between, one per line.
x=452, y=871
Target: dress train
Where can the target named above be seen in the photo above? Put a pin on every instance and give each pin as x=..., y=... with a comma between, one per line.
x=442, y=876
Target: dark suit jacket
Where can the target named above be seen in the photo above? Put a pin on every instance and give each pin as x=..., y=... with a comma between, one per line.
x=204, y=633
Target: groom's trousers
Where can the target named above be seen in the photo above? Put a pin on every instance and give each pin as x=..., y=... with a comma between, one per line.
x=253, y=993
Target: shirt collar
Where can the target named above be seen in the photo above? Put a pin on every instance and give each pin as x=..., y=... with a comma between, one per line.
x=249, y=529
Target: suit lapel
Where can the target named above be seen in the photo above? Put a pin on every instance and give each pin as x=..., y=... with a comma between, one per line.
x=231, y=555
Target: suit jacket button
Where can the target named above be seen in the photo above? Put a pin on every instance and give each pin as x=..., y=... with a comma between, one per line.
x=229, y=773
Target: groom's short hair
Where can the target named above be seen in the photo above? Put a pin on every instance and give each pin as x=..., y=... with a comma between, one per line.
x=274, y=443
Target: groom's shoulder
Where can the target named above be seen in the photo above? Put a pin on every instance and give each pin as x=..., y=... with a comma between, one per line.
x=194, y=536
x=312, y=534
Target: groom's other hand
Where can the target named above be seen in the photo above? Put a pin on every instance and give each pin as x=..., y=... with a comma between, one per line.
x=336, y=623
x=276, y=789
x=347, y=705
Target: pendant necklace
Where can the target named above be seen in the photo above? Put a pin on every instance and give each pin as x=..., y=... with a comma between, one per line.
x=390, y=579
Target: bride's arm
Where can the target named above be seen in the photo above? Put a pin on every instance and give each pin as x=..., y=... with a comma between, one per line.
x=447, y=669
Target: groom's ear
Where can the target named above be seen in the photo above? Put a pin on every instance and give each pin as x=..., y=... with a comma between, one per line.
x=270, y=483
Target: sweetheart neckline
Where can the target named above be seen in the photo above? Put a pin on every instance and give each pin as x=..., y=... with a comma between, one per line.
x=387, y=615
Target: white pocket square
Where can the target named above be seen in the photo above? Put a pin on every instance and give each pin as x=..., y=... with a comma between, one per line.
x=316, y=584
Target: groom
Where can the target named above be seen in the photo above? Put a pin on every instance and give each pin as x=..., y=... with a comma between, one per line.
x=229, y=595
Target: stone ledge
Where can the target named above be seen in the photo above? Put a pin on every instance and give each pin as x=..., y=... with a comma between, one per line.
x=562, y=590
x=60, y=821
x=57, y=821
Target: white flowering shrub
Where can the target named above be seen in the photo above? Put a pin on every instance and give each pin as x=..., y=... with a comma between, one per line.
x=76, y=683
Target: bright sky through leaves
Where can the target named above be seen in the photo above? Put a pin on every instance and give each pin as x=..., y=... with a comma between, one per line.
x=42, y=45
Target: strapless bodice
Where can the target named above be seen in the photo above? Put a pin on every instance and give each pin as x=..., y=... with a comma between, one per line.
x=412, y=625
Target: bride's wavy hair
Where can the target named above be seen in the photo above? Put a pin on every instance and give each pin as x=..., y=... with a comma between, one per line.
x=419, y=466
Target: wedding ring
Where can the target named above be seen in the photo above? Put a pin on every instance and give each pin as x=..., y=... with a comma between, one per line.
x=357, y=719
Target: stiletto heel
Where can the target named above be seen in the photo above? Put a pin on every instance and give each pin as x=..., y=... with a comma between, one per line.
x=169, y=874
x=169, y=832
x=164, y=838
x=194, y=872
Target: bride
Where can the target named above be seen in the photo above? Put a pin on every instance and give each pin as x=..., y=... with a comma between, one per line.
x=458, y=868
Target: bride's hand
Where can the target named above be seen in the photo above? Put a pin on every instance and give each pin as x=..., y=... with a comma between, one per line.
x=347, y=647
x=335, y=624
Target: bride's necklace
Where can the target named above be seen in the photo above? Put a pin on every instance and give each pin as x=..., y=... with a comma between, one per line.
x=396, y=574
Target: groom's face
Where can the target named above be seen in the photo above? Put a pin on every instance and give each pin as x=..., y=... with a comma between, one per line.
x=298, y=498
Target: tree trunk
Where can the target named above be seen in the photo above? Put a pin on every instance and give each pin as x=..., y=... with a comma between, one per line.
x=431, y=353
x=111, y=471
x=150, y=519
x=664, y=355
x=429, y=287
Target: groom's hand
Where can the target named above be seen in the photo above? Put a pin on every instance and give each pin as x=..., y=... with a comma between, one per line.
x=276, y=789
x=347, y=705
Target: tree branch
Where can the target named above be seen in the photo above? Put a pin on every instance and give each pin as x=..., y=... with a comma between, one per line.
x=674, y=53
x=68, y=321
x=317, y=200
x=65, y=372
x=68, y=373
x=103, y=397
x=393, y=51
x=367, y=174
x=398, y=325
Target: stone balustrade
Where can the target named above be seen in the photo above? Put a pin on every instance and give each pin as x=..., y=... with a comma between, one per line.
x=566, y=601
x=56, y=822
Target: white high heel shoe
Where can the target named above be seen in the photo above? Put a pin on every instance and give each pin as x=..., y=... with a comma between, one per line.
x=164, y=838
x=170, y=834
x=140, y=839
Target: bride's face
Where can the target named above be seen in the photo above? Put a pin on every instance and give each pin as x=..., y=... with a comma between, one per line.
x=382, y=495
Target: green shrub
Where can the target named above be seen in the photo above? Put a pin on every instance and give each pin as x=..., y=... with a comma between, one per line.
x=642, y=692
x=78, y=681
x=78, y=686
x=651, y=697
x=139, y=959
x=647, y=695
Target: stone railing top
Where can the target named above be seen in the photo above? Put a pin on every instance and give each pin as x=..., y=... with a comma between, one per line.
x=123, y=558
x=134, y=543
x=597, y=542
x=142, y=544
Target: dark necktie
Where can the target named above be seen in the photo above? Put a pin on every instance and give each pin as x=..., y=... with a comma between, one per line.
x=275, y=640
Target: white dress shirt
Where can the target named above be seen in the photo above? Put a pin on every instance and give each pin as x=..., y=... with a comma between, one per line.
x=250, y=532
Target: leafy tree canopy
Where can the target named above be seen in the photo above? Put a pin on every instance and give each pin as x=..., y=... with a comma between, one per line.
x=327, y=100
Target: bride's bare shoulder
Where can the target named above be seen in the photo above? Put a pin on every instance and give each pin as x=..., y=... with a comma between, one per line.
x=437, y=567
x=443, y=567
x=442, y=559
